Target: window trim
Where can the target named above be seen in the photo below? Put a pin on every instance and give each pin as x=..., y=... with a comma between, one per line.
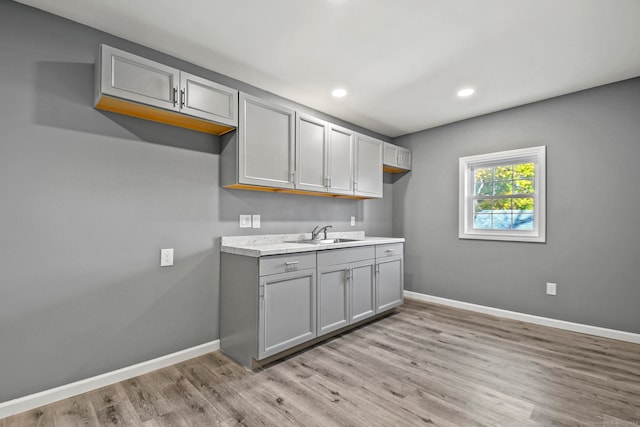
x=535, y=155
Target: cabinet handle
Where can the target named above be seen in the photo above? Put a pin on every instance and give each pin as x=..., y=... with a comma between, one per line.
x=390, y=250
x=175, y=96
x=291, y=262
x=182, y=96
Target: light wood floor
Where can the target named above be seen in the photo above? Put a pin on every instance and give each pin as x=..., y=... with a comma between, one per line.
x=424, y=365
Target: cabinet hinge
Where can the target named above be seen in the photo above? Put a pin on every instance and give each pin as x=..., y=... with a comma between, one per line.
x=261, y=291
x=377, y=268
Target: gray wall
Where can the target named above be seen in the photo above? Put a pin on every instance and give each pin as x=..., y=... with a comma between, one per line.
x=89, y=198
x=593, y=210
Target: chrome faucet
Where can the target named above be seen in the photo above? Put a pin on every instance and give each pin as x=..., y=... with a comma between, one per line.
x=316, y=232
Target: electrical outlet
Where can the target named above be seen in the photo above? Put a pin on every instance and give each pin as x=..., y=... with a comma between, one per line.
x=353, y=221
x=245, y=221
x=552, y=288
x=166, y=257
x=255, y=221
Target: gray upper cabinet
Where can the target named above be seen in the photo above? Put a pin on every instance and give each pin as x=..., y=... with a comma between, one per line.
x=266, y=143
x=368, y=167
x=136, y=86
x=396, y=159
x=208, y=100
x=324, y=156
x=138, y=79
x=311, y=153
x=340, y=162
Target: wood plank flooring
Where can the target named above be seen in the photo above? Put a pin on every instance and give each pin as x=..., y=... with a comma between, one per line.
x=426, y=364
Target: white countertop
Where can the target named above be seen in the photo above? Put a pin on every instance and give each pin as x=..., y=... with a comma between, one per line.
x=277, y=244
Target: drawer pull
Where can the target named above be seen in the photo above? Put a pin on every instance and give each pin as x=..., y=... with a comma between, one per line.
x=390, y=250
x=291, y=262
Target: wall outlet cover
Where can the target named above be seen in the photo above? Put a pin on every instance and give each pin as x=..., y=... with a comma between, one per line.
x=166, y=257
x=552, y=288
x=255, y=221
x=353, y=221
x=245, y=221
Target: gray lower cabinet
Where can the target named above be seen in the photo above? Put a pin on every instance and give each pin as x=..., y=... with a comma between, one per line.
x=268, y=304
x=346, y=287
x=333, y=298
x=287, y=311
x=130, y=84
x=368, y=167
x=390, y=276
x=274, y=303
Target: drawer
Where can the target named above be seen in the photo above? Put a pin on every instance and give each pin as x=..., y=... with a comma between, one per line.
x=391, y=249
x=345, y=256
x=285, y=263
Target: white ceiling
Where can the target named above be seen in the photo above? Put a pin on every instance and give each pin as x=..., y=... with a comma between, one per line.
x=402, y=61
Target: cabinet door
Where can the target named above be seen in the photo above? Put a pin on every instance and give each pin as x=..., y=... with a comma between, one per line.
x=287, y=311
x=390, y=280
x=208, y=100
x=363, y=290
x=404, y=158
x=333, y=298
x=266, y=143
x=341, y=162
x=311, y=153
x=137, y=79
x=390, y=154
x=368, y=173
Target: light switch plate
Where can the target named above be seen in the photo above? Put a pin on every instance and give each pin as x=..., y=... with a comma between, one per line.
x=552, y=289
x=166, y=257
x=255, y=221
x=245, y=221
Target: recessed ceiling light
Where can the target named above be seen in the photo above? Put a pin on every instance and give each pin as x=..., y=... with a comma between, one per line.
x=339, y=93
x=463, y=93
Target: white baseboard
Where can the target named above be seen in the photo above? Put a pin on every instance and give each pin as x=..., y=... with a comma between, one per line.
x=46, y=397
x=538, y=320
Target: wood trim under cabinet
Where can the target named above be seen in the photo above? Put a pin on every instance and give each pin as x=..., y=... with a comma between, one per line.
x=116, y=105
x=291, y=191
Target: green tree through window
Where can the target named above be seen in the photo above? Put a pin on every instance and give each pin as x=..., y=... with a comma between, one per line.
x=503, y=197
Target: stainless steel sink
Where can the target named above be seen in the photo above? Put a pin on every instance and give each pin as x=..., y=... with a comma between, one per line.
x=323, y=241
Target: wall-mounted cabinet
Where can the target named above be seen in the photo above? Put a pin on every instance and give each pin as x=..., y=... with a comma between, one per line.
x=396, y=159
x=136, y=86
x=279, y=150
x=324, y=156
x=368, y=167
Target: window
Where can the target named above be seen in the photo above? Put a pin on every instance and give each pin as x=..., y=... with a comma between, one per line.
x=502, y=196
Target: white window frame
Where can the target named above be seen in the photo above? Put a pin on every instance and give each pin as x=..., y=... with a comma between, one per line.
x=536, y=155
